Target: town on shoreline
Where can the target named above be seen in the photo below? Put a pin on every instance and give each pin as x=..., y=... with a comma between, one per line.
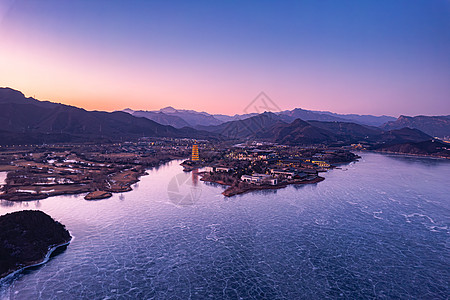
x=40, y=171
x=258, y=166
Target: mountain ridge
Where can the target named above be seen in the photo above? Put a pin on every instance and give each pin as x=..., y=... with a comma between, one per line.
x=275, y=128
x=27, y=119
x=438, y=126
x=206, y=119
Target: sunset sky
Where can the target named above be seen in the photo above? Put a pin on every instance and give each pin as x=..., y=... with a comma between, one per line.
x=368, y=57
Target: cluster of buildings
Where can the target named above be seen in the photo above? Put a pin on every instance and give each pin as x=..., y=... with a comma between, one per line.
x=257, y=178
x=266, y=167
x=266, y=164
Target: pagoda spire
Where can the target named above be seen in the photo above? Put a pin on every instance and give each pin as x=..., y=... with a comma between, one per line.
x=195, y=156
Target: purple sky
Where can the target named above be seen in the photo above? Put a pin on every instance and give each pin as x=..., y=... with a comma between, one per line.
x=369, y=57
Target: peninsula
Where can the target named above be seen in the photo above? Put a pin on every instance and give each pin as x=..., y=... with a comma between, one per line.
x=41, y=171
x=261, y=166
x=27, y=238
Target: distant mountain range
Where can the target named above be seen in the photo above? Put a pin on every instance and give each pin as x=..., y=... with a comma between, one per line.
x=276, y=128
x=309, y=115
x=436, y=126
x=179, y=117
x=30, y=121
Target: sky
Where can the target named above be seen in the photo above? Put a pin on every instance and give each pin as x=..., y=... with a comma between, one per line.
x=376, y=57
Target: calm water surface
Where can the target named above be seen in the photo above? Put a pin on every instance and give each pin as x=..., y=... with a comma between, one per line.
x=378, y=228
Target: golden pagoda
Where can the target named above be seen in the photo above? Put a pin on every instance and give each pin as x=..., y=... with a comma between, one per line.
x=194, y=156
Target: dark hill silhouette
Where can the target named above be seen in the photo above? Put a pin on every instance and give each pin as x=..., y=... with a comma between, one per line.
x=275, y=128
x=26, y=237
x=301, y=132
x=335, y=133
x=430, y=147
x=438, y=126
x=402, y=135
x=298, y=132
x=22, y=117
x=245, y=128
x=29, y=121
x=181, y=117
x=350, y=131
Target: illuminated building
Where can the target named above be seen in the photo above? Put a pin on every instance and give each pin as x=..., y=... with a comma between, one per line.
x=194, y=156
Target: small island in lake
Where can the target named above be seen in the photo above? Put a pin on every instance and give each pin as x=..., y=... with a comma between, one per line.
x=95, y=195
x=27, y=238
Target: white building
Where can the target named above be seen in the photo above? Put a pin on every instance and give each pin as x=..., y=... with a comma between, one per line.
x=259, y=179
x=217, y=169
x=283, y=173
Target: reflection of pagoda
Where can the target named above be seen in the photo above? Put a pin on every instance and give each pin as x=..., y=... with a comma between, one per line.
x=194, y=156
x=195, y=177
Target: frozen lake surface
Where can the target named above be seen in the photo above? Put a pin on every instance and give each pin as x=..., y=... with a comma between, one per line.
x=378, y=228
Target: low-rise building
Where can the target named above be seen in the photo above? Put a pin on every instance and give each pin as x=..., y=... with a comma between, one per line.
x=283, y=173
x=222, y=169
x=308, y=165
x=321, y=163
x=260, y=179
x=301, y=175
x=290, y=162
x=218, y=169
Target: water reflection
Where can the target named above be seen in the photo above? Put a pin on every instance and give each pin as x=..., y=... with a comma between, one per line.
x=6, y=203
x=423, y=161
x=265, y=192
x=302, y=186
x=184, y=189
x=195, y=177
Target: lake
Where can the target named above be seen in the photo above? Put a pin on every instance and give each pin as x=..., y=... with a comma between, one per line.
x=377, y=228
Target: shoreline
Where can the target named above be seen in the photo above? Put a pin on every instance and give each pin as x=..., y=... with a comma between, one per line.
x=27, y=197
x=81, y=189
x=233, y=191
x=10, y=275
x=408, y=154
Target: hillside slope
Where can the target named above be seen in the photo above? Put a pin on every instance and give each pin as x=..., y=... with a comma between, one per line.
x=22, y=118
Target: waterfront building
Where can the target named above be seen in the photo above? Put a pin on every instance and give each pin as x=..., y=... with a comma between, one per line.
x=283, y=173
x=321, y=163
x=256, y=178
x=218, y=169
